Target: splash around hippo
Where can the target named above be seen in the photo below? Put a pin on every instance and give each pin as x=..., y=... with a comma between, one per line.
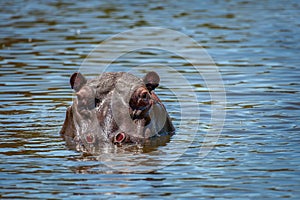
x=116, y=108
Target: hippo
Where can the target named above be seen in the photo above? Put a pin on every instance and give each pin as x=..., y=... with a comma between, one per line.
x=115, y=108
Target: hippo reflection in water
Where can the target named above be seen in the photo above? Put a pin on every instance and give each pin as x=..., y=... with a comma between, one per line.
x=115, y=108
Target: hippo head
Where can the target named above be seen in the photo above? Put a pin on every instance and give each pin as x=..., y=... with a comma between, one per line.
x=114, y=108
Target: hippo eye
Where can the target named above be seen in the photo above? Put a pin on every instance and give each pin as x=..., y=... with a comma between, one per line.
x=97, y=101
x=144, y=95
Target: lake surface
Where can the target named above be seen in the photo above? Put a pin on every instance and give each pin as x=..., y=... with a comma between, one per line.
x=255, y=46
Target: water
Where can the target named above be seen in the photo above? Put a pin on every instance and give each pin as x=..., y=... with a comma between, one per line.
x=254, y=44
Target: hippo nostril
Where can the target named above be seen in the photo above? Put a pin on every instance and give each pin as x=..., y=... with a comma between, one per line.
x=120, y=137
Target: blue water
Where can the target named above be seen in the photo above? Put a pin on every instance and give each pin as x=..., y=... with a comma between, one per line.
x=255, y=46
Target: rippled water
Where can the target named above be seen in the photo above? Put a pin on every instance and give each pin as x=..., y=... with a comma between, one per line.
x=256, y=47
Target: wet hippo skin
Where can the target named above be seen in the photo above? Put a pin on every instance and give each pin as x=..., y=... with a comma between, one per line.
x=115, y=108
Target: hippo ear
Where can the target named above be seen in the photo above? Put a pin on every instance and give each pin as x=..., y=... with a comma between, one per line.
x=151, y=80
x=77, y=80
